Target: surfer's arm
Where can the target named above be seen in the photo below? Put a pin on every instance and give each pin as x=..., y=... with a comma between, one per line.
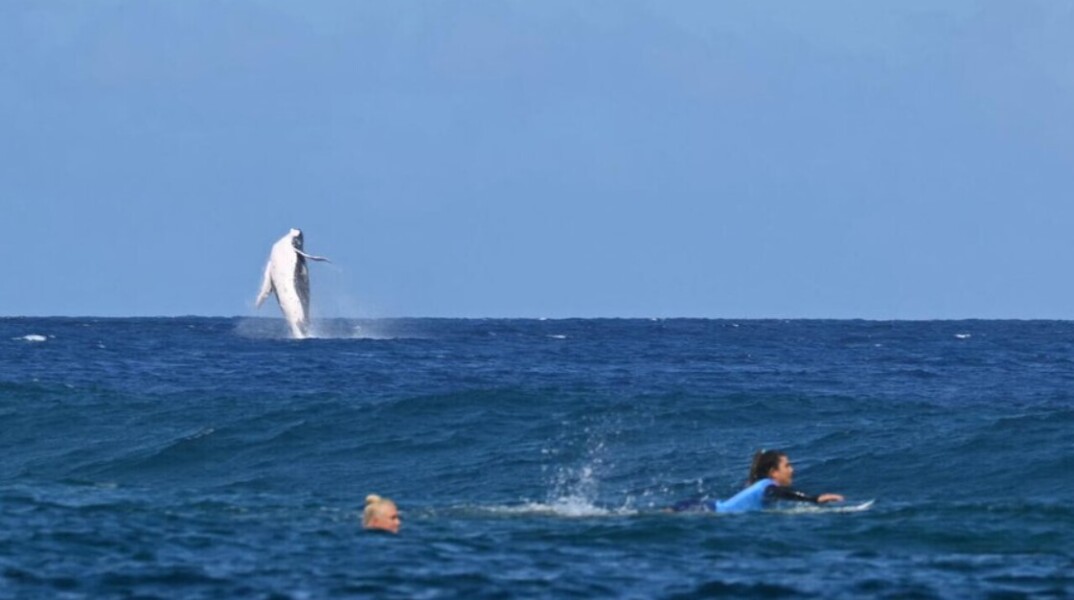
x=779, y=492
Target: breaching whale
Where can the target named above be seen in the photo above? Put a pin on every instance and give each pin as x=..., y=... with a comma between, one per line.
x=287, y=274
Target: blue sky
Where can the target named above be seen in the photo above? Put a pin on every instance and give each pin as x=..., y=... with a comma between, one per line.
x=906, y=160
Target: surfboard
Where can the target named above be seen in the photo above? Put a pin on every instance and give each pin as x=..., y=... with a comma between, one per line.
x=822, y=508
x=854, y=507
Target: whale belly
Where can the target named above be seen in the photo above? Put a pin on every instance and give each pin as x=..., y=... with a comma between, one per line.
x=290, y=279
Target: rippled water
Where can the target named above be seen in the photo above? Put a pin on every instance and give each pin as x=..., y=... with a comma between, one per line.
x=212, y=458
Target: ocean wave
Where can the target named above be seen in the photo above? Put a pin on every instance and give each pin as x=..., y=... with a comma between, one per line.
x=190, y=459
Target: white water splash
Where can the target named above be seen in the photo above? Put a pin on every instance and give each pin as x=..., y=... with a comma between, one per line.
x=342, y=329
x=574, y=490
x=561, y=507
x=319, y=329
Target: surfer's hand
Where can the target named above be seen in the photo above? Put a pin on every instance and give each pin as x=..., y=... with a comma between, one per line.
x=825, y=498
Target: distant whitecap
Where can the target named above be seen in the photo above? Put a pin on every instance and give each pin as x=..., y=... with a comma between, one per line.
x=963, y=336
x=33, y=337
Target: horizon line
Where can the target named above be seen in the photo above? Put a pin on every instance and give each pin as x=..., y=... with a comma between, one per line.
x=546, y=318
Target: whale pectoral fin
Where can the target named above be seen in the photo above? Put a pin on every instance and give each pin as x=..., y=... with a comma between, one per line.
x=261, y=297
x=266, y=286
x=311, y=257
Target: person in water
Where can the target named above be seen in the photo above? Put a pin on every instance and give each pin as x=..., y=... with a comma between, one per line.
x=381, y=514
x=771, y=475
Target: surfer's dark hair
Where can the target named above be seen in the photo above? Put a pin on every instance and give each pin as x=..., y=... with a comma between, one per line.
x=763, y=463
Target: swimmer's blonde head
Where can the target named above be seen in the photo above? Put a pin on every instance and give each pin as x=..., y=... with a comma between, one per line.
x=372, y=503
x=380, y=513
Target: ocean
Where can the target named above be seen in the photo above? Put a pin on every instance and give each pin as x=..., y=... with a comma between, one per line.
x=214, y=458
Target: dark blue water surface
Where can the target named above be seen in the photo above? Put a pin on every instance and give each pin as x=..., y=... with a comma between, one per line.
x=213, y=458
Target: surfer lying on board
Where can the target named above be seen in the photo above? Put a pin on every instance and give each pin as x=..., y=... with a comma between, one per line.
x=770, y=480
